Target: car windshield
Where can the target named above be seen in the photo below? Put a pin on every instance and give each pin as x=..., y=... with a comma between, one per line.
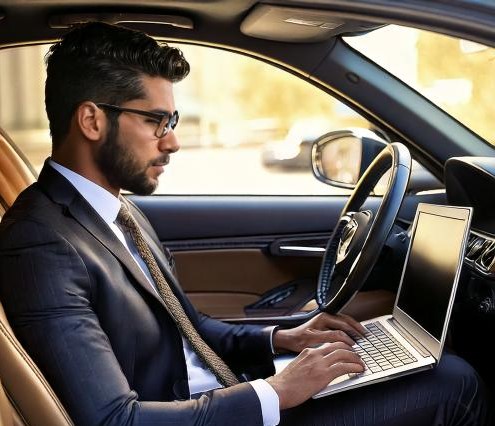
x=456, y=75
x=307, y=129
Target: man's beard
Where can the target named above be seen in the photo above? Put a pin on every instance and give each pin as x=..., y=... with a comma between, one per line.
x=120, y=167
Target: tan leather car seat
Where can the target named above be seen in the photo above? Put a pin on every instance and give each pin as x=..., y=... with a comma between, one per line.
x=25, y=396
x=5, y=409
x=31, y=401
x=15, y=174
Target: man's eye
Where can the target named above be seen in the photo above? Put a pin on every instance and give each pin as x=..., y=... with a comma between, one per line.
x=152, y=120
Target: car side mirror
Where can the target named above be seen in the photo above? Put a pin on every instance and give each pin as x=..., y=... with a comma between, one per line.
x=339, y=158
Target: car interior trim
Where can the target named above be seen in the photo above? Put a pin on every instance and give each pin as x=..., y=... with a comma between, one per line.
x=222, y=304
x=480, y=254
x=70, y=19
x=222, y=214
x=451, y=17
x=301, y=249
x=364, y=304
x=252, y=271
x=298, y=25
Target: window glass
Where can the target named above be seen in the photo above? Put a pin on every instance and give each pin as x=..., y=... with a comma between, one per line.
x=22, y=108
x=245, y=127
x=457, y=75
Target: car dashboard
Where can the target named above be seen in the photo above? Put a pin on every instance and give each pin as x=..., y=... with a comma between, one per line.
x=470, y=181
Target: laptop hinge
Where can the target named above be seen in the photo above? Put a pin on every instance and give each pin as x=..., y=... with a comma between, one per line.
x=409, y=337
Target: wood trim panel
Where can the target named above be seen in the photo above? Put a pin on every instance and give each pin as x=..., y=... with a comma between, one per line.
x=249, y=271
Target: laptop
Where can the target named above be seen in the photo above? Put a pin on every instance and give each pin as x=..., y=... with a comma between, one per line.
x=412, y=338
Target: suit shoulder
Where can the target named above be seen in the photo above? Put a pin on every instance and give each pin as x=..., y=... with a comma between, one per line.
x=31, y=216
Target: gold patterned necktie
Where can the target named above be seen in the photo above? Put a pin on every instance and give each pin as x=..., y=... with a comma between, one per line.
x=174, y=307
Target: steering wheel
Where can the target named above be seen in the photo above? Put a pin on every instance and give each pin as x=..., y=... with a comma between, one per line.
x=359, y=237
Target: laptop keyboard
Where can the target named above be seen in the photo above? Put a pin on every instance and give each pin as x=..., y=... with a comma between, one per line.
x=380, y=350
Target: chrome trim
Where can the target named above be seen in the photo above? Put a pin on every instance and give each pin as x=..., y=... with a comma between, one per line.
x=475, y=257
x=303, y=249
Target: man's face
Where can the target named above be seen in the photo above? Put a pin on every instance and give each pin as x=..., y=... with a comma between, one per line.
x=132, y=157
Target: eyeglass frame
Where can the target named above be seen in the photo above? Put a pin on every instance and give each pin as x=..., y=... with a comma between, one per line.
x=158, y=116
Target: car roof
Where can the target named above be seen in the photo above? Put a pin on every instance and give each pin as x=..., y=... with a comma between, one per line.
x=28, y=21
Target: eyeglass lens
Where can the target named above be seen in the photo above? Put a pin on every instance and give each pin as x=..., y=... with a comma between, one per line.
x=168, y=122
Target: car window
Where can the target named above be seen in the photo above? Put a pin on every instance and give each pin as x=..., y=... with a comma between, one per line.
x=245, y=127
x=457, y=75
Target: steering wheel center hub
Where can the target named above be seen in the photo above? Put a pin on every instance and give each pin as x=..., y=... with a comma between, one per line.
x=353, y=236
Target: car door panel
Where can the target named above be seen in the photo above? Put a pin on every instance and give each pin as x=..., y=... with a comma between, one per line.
x=240, y=277
x=224, y=246
x=234, y=252
x=181, y=218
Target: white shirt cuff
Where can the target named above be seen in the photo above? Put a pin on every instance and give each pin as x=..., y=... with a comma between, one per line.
x=270, y=404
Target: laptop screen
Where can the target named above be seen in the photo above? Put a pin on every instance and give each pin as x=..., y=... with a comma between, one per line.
x=430, y=274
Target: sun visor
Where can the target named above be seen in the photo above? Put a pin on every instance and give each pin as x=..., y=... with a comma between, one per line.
x=297, y=25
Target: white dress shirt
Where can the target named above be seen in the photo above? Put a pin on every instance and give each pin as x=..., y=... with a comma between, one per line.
x=200, y=379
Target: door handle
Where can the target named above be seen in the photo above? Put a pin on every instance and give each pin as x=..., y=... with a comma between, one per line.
x=301, y=250
x=309, y=246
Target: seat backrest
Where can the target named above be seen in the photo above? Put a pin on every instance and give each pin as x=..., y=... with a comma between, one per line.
x=25, y=396
x=32, y=401
x=5, y=409
x=15, y=174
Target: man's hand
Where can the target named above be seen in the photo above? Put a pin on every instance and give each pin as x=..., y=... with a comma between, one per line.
x=312, y=370
x=323, y=328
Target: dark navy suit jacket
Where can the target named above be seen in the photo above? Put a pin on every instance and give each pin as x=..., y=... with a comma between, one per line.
x=84, y=311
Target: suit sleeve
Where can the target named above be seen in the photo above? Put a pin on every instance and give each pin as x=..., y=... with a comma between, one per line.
x=245, y=348
x=48, y=296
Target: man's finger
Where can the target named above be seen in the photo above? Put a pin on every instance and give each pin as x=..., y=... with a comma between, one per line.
x=329, y=336
x=353, y=323
x=344, y=356
x=328, y=348
x=341, y=368
x=344, y=323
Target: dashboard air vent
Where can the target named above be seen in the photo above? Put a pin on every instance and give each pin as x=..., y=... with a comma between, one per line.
x=476, y=245
x=480, y=253
x=487, y=257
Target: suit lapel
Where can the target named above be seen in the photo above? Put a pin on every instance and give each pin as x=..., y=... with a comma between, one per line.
x=157, y=253
x=61, y=191
x=161, y=259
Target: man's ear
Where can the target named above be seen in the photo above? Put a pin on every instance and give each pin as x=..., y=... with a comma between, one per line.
x=91, y=121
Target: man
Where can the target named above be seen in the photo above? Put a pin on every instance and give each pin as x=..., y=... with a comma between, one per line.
x=91, y=296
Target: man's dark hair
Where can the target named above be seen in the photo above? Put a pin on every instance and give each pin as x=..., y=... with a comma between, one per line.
x=103, y=63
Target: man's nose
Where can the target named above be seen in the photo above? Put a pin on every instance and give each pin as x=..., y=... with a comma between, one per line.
x=169, y=142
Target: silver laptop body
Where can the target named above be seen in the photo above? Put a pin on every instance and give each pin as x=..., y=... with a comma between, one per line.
x=425, y=297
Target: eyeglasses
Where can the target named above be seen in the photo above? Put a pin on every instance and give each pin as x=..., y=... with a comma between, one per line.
x=164, y=120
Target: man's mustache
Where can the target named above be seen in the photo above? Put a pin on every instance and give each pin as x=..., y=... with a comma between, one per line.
x=160, y=161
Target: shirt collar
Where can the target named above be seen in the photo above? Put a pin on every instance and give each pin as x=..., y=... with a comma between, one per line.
x=105, y=203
